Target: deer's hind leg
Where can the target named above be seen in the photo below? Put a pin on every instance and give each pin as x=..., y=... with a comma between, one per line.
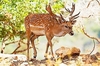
x=33, y=37
x=28, y=34
x=46, y=52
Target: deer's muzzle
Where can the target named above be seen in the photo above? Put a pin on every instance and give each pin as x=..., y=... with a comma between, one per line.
x=71, y=33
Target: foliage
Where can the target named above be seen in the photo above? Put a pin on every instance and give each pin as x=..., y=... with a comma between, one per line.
x=13, y=12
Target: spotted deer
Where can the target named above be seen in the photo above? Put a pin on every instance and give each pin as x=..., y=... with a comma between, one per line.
x=48, y=25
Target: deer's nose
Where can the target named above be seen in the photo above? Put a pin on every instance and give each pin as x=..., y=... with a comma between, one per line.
x=71, y=33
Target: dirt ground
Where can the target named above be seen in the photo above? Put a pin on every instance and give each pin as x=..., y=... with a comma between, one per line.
x=81, y=60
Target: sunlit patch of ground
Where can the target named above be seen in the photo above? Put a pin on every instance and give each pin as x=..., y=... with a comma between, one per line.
x=21, y=60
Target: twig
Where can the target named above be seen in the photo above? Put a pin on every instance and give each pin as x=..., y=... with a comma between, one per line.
x=98, y=2
x=90, y=36
x=14, y=52
x=21, y=50
x=89, y=3
x=6, y=38
x=18, y=46
x=93, y=47
x=3, y=44
x=11, y=42
x=86, y=16
x=22, y=42
x=15, y=42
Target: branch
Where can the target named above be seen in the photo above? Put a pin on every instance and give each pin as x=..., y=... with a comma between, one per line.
x=21, y=41
x=98, y=2
x=6, y=38
x=93, y=47
x=90, y=36
x=20, y=51
x=14, y=52
x=11, y=42
x=89, y=3
x=86, y=16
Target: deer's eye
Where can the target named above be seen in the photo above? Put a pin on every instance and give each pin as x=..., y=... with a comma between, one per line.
x=66, y=26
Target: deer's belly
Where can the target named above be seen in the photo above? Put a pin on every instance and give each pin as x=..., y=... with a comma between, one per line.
x=38, y=30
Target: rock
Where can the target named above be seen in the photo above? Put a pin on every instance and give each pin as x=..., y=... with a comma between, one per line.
x=65, y=52
x=75, y=52
x=12, y=60
x=84, y=57
x=93, y=58
x=14, y=57
x=62, y=64
x=24, y=64
x=98, y=55
x=88, y=59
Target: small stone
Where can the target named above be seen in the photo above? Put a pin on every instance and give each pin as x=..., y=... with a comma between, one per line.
x=24, y=64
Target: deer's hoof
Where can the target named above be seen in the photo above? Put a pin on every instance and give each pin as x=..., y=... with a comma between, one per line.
x=45, y=55
x=34, y=57
x=53, y=58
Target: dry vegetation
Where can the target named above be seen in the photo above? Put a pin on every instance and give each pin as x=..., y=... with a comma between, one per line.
x=70, y=59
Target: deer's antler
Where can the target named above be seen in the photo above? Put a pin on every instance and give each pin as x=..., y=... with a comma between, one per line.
x=72, y=17
x=72, y=9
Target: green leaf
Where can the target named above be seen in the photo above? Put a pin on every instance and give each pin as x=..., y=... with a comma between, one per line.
x=75, y=0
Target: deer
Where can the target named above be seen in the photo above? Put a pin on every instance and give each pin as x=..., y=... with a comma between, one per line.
x=49, y=25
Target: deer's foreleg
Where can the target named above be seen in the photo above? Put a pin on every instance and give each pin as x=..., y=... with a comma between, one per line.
x=49, y=38
x=27, y=49
x=33, y=37
x=51, y=48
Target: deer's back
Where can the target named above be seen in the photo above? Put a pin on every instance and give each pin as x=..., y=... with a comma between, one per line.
x=36, y=19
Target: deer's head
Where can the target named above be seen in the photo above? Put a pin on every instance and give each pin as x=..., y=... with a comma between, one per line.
x=68, y=25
